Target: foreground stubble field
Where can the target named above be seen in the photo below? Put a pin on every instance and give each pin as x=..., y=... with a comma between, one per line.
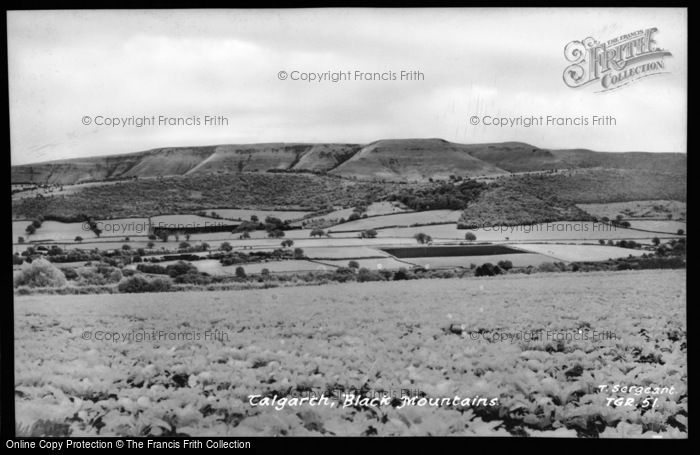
x=370, y=336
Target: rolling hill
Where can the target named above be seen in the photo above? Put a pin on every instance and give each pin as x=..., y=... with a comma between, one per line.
x=392, y=159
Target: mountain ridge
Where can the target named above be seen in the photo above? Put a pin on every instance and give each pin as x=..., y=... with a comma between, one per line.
x=386, y=159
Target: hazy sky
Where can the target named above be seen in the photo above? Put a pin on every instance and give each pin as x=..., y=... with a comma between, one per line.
x=496, y=62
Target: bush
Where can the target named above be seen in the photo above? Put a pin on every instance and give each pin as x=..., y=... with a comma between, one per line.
x=365, y=274
x=401, y=274
x=422, y=238
x=505, y=265
x=368, y=234
x=470, y=236
x=487, y=269
x=547, y=267
x=136, y=284
x=193, y=278
x=40, y=273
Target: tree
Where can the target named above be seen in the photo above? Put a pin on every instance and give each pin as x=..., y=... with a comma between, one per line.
x=227, y=246
x=244, y=235
x=354, y=265
x=20, y=239
x=505, y=265
x=601, y=241
x=205, y=246
x=470, y=236
x=126, y=247
x=275, y=233
x=287, y=243
x=78, y=239
x=265, y=272
x=423, y=238
x=240, y=272
x=317, y=233
x=254, y=218
x=298, y=253
x=187, y=236
x=680, y=232
x=163, y=235
x=487, y=269
x=184, y=245
x=368, y=234
x=30, y=229
x=656, y=241
x=150, y=244
x=40, y=273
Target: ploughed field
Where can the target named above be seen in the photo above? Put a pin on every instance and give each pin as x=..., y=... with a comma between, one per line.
x=508, y=340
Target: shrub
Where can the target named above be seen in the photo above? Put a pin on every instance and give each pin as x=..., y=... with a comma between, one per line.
x=368, y=234
x=227, y=246
x=547, y=267
x=136, y=283
x=193, y=278
x=179, y=268
x=505, y=265
x=422, y=238
x=40, y=273
x=401, y=274
x=365, y=274
x=487, y=269
x=470, y=236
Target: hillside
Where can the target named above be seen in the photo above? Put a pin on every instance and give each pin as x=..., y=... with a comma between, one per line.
x=392, y=159
x=414, y=159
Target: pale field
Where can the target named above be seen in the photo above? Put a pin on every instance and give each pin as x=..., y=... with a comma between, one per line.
x=573, y=230
x=666, y=227
x=637, y=209
x=272, y=266
x=54, y=230
x=188, y=221
x=371, y=264
x=215, y=268
x=343, y=252
x=385, y=336
x=400, y=219
x=374, y=209
x=580, y=252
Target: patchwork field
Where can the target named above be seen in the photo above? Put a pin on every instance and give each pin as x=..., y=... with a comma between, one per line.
x=575, y=230
x=175, y=221
x=637, y=209
x=400, y=219
x=337, y=339
x=661, y=226
x=580, y=252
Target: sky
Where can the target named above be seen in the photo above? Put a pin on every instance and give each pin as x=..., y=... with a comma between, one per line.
x=72, y=71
